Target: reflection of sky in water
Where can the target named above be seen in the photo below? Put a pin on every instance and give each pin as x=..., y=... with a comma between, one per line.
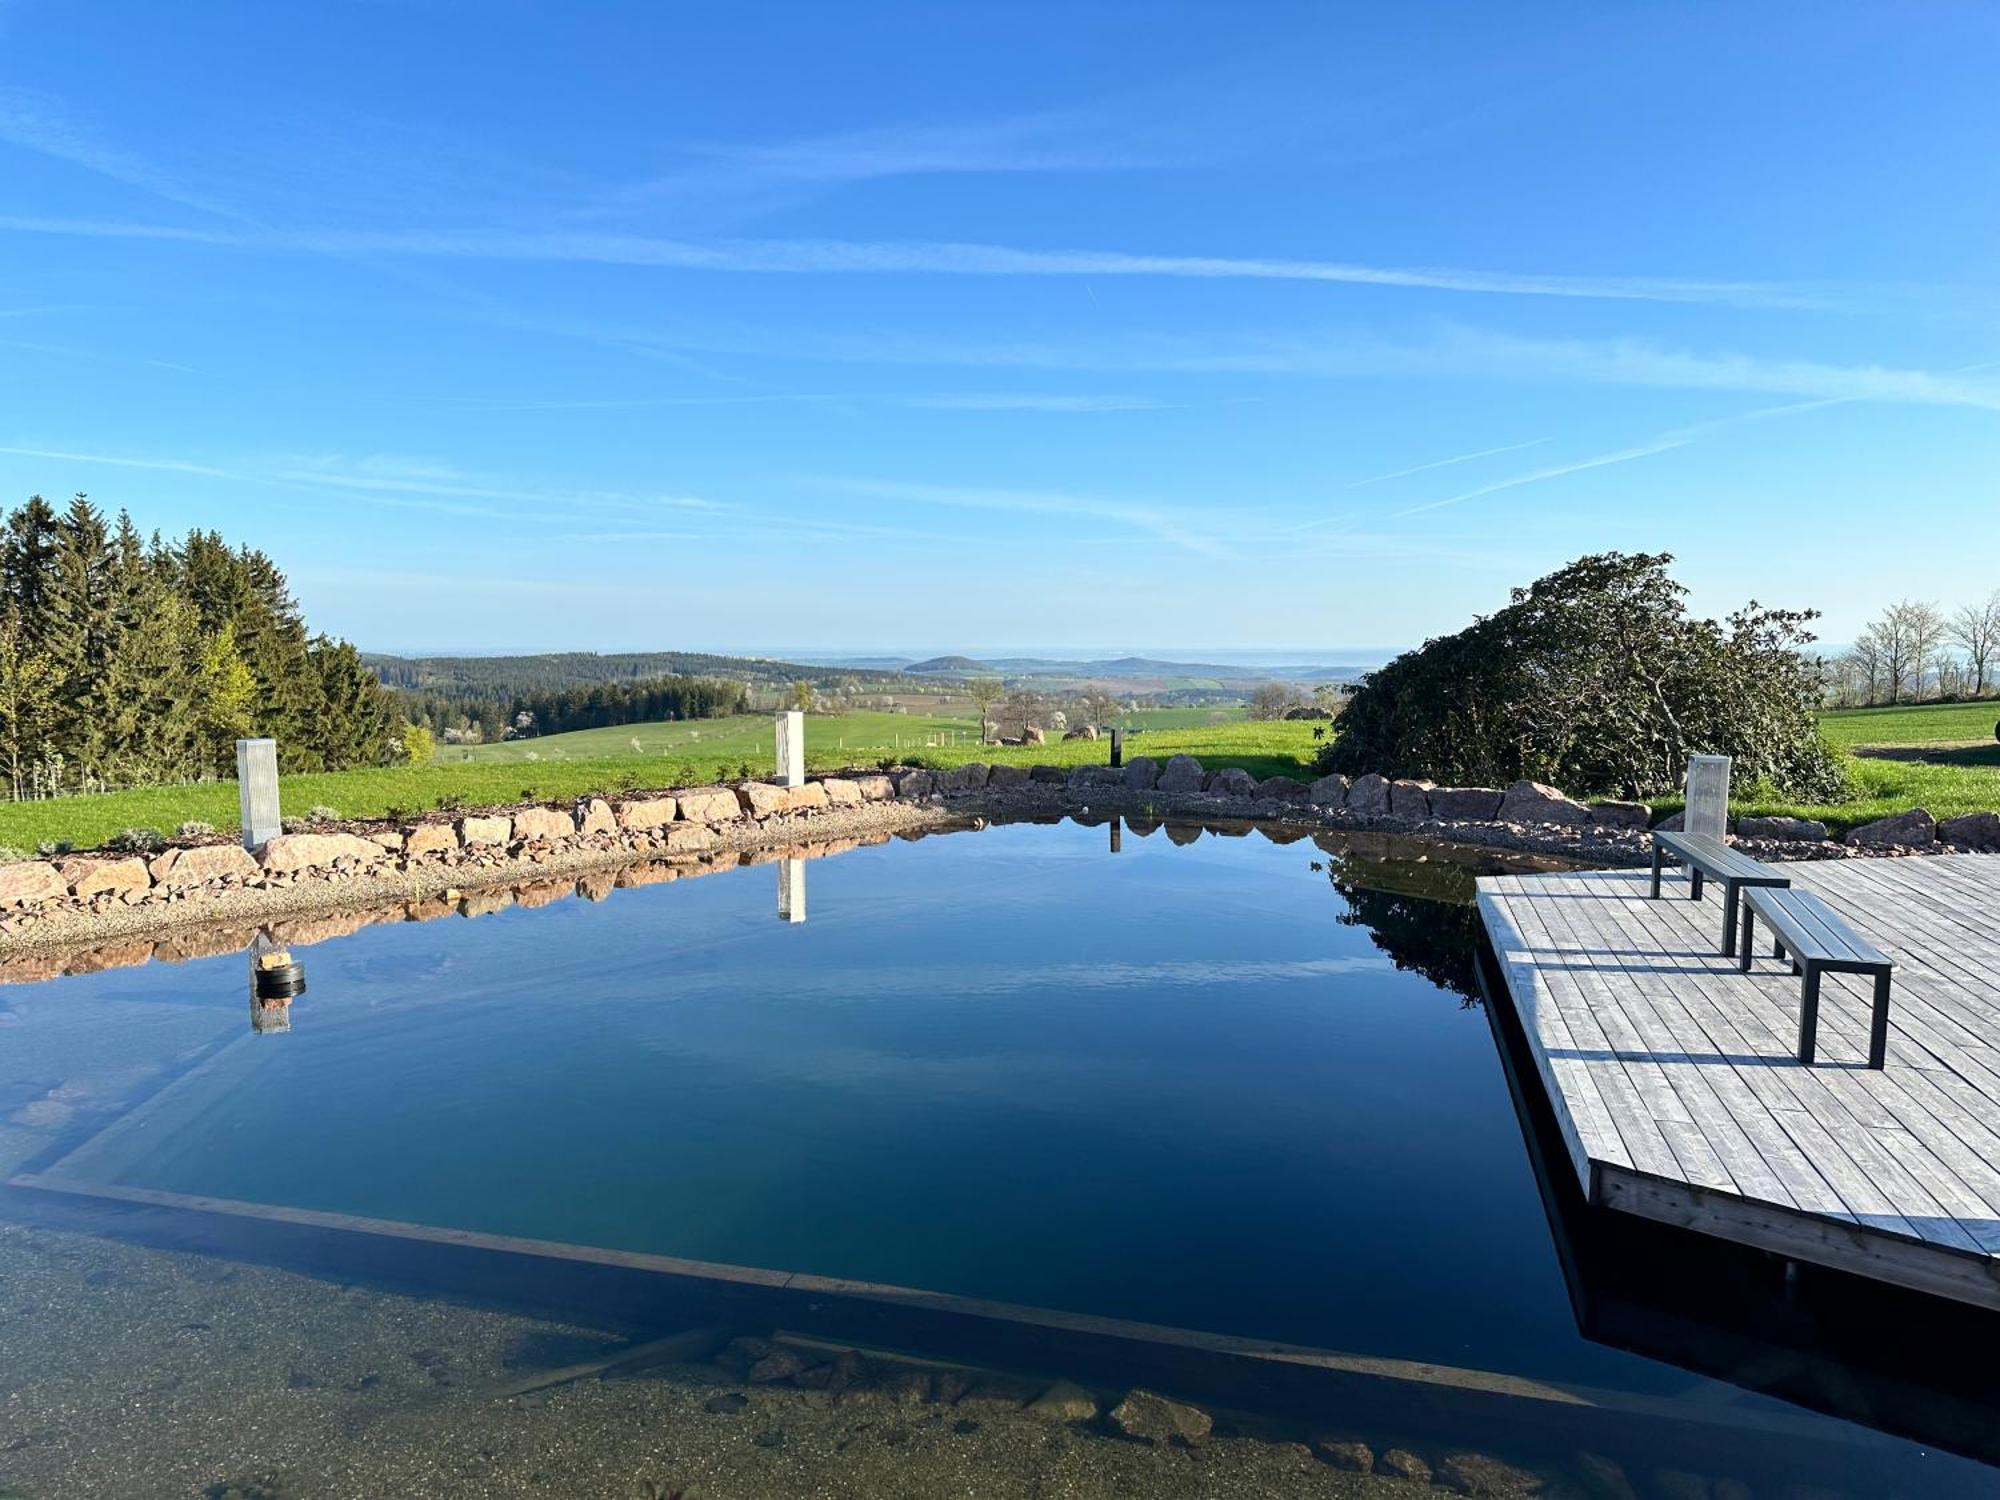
x=1168, y=1085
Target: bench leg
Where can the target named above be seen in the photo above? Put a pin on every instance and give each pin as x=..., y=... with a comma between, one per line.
x=1694, y=883
x=1732, y=898
x=1809, y=1015
x=1878, y=1024
x=1749, y=936
x=1659, y=861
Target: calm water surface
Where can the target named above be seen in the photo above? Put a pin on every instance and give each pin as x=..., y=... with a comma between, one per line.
x=1220, y=1084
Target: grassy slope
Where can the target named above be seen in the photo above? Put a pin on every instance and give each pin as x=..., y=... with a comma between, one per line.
x=563, y=769
x=1924, y=724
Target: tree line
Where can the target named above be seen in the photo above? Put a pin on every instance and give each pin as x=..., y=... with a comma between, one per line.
x=468, y=719
x=127, y=660
x=1914, y=652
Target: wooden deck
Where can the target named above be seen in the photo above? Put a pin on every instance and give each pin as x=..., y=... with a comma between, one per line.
x=1673, y=1080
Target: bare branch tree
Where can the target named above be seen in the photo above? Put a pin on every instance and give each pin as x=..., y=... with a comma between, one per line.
x=1975, y=630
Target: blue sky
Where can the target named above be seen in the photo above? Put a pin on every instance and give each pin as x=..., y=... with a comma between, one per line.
x=757, y=327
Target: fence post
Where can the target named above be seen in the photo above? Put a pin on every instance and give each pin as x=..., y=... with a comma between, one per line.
x=257, y=791
x=791, y=748
x=1707, y=796
x=791, y=890
x=1117, y=747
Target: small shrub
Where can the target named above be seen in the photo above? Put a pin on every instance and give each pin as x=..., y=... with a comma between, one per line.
x=450, y=802
x=194, y=828
x=744, y=773
x=321, y=813
x=51, y=848
x=137, y=841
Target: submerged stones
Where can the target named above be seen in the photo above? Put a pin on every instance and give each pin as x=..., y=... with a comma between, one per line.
x=1065, y=1402
x=1401, y=1463
x=1486, y=1477
x=1156, y=1419
x=1345, y=1453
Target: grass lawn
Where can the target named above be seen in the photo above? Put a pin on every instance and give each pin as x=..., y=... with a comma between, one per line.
x=602, y=760
x=1919, y=724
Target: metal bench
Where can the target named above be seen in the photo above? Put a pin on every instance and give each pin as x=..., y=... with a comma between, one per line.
x=1816, y=939
x=1711, y=859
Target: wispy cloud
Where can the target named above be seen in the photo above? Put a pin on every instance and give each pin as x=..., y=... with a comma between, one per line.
x=850, y=257
x=974, y=401
x=37, y=123
x=1188, y=530
x=1549, y=471
x=1445, y=463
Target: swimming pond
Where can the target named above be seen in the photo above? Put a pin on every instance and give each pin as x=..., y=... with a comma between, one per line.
x=1214, y=1081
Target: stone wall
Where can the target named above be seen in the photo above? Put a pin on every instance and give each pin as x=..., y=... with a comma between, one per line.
x=500, y=844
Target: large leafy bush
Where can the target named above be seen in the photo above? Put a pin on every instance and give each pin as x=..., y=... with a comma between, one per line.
x=1596, y=679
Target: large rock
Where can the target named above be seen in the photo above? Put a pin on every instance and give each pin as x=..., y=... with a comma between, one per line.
x=1409, y=798
x=1980, y=830
x=1154, y=1418
x=496, y=829
x=810, y=796
x=1281, y=789
x=429, y=838
x=1803, y=829
x=875, y=787
x=1233, y=781
x=1033, y=736
x=1536, y=802
x=1005, y=776
x=1369, y=796
x=1915, y=829
x=1487, y=1477
x=969, y=777
x=1328, y=792
x=760, y=799
x=1065, y=1402
x=1674, y=822
x=1182, y=773
x=543, y=823
x=1048, y=774
x=182, y=869
x=594, y=815
x=1087, y=732
x=709, y=804
x=94, y=877
x=1611, y=814
x=840, y=792
x=647, y=814
x=29, y=882
x=916, y=783
x=1466, y=804
x=1142, y=773
x=687, y=838
x=292, y=852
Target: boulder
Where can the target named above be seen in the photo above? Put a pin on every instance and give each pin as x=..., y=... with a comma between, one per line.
x=811, y=796
x=709, y=804
x=840, y=792
x=494, y=830
x=1536, y=802
x=1182, y=773
x=760, y=799
x=1089, y=776
x=1610, y=814
x=292, y=852
x=1065, y=1402
x=182, y=869
x=1033, y=736
x=1007, y=776
x=1401, y=1463
x=1155, y=1419
x=1409, y=798
x=546, y=823
x=1142, y=773
x=1281, y=789
x=1482, y=1475
x=1980, y=830
x=1328, y=792
x=688, y=838
x=648, y=813
x=1345, y=1453
x=429, y=838
x=1466, y=804
x=94, y=877
x=1368, y=797
x=1804, y=829
x=875, y=787
x=1048, y=773
x=1234, y=781
x=594, y=815
x=390, y=839
x=1087, y=732
x=916, y=783
x=1915, y=829
x=29, y=882
x=969, y=777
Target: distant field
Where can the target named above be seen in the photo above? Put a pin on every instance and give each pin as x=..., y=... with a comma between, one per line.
x=602, y=760
x=1920, y=724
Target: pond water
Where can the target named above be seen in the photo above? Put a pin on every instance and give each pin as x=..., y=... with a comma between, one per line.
x=1211, y=1081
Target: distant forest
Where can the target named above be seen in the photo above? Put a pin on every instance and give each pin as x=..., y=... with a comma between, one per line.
x=127, y=660
x=487, y=698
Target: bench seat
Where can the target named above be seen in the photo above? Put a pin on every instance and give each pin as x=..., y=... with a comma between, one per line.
x=1710, y=859
x=1818, y=941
